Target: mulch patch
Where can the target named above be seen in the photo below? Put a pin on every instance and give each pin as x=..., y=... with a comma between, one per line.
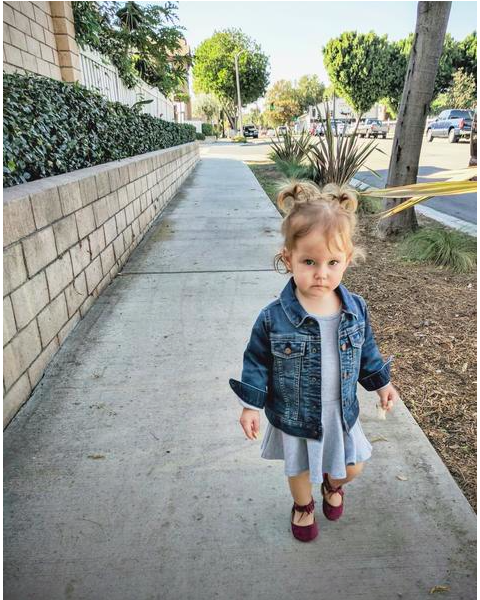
x=426, y=317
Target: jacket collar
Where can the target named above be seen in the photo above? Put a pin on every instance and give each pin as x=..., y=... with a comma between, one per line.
x=297, y=314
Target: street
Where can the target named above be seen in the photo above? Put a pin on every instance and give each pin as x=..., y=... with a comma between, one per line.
x=438, y=155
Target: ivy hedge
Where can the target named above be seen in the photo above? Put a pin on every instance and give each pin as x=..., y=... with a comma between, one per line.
x=51, y=127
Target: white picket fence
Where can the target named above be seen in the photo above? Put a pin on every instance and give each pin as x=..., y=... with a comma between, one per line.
x=99, y=74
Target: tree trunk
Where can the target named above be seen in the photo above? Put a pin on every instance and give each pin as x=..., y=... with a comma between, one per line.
x=230, y=117
x=432, y=20
x=473, y=142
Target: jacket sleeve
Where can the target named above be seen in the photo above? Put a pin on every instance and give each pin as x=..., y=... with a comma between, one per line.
x=257, y=360
x=374, y=371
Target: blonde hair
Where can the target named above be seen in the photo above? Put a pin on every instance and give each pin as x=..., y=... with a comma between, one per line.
x=331, y=210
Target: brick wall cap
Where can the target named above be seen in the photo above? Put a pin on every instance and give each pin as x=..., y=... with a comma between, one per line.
x=40, y=185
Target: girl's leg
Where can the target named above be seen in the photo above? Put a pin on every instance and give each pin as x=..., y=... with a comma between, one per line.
x=301, y=490
x=352, y=471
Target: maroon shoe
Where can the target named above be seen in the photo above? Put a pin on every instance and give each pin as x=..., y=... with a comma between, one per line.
x=331, y=512
x=304, y=533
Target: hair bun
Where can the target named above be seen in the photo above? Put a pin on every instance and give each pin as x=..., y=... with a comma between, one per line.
x=344, y=195
x=296, y=192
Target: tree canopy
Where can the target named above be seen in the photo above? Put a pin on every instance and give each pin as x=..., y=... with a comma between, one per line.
x=207, y=106
x=468, y=54
x=357, y=65
x=142, y=41
x=310, y=91
x=282, y=103
x=366, y=69
x=462, y=93
x=214, y=68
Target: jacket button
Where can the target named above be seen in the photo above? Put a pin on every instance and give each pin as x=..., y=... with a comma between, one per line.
x=314, y=349
x=313, y=379
x=344, y=347
x=345, y=375
x=288, y=350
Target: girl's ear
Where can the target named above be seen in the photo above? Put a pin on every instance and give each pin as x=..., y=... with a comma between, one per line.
x=286, y=259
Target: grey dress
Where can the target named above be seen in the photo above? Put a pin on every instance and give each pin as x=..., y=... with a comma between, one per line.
x=337, y=448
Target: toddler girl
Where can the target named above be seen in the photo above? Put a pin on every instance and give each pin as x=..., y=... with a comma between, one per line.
x=306, y=352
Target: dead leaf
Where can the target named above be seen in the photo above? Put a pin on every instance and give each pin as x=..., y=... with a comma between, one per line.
x=379, y=438
x=96, y=456
x=439, y=588
x=402, y=477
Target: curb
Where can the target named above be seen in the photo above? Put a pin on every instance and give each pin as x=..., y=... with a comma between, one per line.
x=448, y=220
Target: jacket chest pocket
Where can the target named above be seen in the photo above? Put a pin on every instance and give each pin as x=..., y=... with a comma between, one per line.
x=287, y=350
x=287, y=364
x=356, y=339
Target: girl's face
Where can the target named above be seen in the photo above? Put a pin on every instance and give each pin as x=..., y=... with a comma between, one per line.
x=316, y=270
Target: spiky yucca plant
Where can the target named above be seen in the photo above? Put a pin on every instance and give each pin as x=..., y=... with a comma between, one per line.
x=291, y=149
x=337, y=161
x=290, y=156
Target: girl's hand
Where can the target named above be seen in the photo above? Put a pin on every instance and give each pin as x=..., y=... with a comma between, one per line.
x=388, y=395
x=250, y=421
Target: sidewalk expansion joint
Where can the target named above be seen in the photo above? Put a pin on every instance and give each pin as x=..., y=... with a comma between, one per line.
x=186, y=272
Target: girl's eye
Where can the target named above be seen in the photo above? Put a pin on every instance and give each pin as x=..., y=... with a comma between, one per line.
x=309, y=260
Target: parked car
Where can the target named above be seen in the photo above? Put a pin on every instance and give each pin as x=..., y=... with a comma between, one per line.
x=340, y=126
x=282, y=130
x=250, y=131
x=452, y=124
x=319, y=129
x=372, y=128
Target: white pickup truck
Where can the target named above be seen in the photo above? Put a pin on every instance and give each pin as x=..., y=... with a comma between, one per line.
x=372, y=128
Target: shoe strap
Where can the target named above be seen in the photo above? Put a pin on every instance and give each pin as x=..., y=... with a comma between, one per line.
x=329, y=487
x=308, y=508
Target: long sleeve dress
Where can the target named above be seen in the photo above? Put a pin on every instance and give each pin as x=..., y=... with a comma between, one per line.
x=337, y=448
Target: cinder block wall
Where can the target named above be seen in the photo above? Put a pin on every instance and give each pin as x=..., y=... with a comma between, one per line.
x=65, y=239
x=39, y=37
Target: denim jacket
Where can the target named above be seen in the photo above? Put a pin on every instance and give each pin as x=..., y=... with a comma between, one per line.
x=282, y=363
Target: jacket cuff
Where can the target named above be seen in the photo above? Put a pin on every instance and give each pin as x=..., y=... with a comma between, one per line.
x=249, y=393
x=245, y=405
x=378, y=379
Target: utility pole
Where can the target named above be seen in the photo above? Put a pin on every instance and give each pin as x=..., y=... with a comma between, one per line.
x=240, y=123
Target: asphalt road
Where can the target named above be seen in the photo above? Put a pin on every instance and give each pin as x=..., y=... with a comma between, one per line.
x=436, y=156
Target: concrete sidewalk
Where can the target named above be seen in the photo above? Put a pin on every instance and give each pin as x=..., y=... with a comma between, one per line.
x=128, y=477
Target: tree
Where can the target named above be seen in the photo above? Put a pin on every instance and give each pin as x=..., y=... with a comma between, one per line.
x=310, y=91
x=282, y=103
x=449, y=59
x=214, y=69
x=357, y=65
x=398, y=54
x=468, y=55
x=473, y=142
x=455, y=55
x=253, y=117
x=432, y=20
x=329, y=92
x=142, y=41
x=207, y=106
x=463, y=91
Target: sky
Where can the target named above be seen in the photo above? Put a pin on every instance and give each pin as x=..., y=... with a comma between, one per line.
x=293, y=33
